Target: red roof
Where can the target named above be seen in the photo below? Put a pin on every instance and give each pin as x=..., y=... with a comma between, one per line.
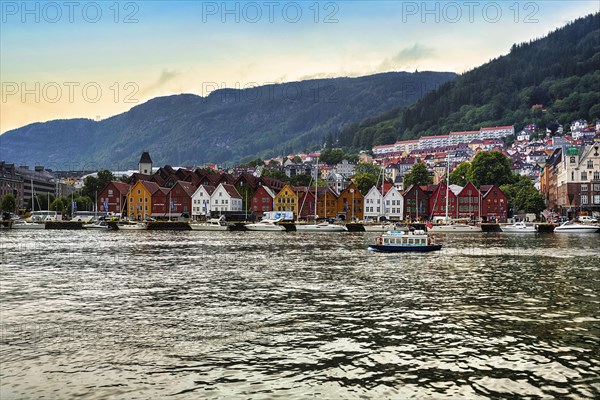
x=491, y=128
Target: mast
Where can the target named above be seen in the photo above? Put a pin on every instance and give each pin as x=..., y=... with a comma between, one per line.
x=382, y=191
x=447, y=184
x=316, y=189
x=417, y=201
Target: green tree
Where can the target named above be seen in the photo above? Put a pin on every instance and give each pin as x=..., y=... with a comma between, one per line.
x=365, y=181
x=331, y=156
x=58, y=205
x=297, y=160
x=256, y=162
x=418, y=175
x=275, y=174
x=273, y=163
x=462, y=174
x=300, y=180
x=491, y=168
x=367, y=168
x=9, y=203
x=92, y=184
x=523, y=196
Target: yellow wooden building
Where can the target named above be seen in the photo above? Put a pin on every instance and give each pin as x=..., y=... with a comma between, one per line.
x=287, y=200
x=139, y=199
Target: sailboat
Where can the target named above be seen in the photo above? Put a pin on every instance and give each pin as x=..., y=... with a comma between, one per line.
x=449, y=225
x=318, y=227
x=23, y=224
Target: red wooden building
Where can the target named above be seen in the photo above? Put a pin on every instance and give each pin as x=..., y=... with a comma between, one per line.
x=262, y=201
x=416, y=203
x=437, y=202
x=493, y=205
x=468, y=202
x=113, y=198
x=180, y=197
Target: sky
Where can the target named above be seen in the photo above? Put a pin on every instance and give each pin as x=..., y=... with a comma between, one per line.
x=96, y=59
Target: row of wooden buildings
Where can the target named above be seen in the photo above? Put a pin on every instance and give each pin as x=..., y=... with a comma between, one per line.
x=199, y=193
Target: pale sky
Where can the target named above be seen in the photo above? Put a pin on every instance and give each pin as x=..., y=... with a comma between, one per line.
x=96, y=59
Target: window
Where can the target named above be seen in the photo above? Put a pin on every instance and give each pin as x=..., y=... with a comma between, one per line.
x=590, y=164
x=597, y=176
x=584, y=199
x=584, y=188
x=596, y=187
x=572, y=160
x=584, y=176
x=110, y=192
x=597, y=199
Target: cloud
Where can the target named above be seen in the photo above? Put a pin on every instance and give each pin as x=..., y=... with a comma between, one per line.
x=163, y=79
x=407, y=57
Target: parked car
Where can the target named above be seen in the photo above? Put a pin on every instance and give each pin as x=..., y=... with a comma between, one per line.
x=587, y=218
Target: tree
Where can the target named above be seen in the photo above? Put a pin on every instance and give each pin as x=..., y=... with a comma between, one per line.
x=462, y=174
x=297, y=160
x=256, y=162
x=92, y=184
x=273, y=163
x=365, y=181
x=300, y=180
x=523, y=196
x=367, y=168
x=275, y=174
x=58, y=205
x=418, y=175
x=331, y=156
x=9, y=203
x=491, y=168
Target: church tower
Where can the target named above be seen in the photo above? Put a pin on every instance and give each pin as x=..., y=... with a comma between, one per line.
x=145, y=164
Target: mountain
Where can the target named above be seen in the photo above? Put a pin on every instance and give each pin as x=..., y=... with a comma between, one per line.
x=560, y=72
x=228, y=125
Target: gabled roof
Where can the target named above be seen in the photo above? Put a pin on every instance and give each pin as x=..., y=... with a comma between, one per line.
x=186, y=186
x=231, y=191
x=122, y=187
x=151, y=187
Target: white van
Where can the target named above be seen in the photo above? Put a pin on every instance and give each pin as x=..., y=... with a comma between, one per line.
x=587, y=218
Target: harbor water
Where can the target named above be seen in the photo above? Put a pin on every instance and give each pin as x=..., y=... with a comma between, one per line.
x=190, y=315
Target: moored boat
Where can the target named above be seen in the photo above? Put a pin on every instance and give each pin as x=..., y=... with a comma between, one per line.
x=266, y=225
x=385, y=227
x=573, y=227
x=97, y=225
x=215, y=224
x=453, y=227
x=399, y=241
x=322, y=227
x=132, y=226
x=22, y=224
x=518, y=227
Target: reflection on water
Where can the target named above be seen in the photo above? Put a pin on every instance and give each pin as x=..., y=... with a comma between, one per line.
x=138, y=315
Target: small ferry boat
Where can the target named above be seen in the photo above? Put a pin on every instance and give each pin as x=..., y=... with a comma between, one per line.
x=397, y=241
